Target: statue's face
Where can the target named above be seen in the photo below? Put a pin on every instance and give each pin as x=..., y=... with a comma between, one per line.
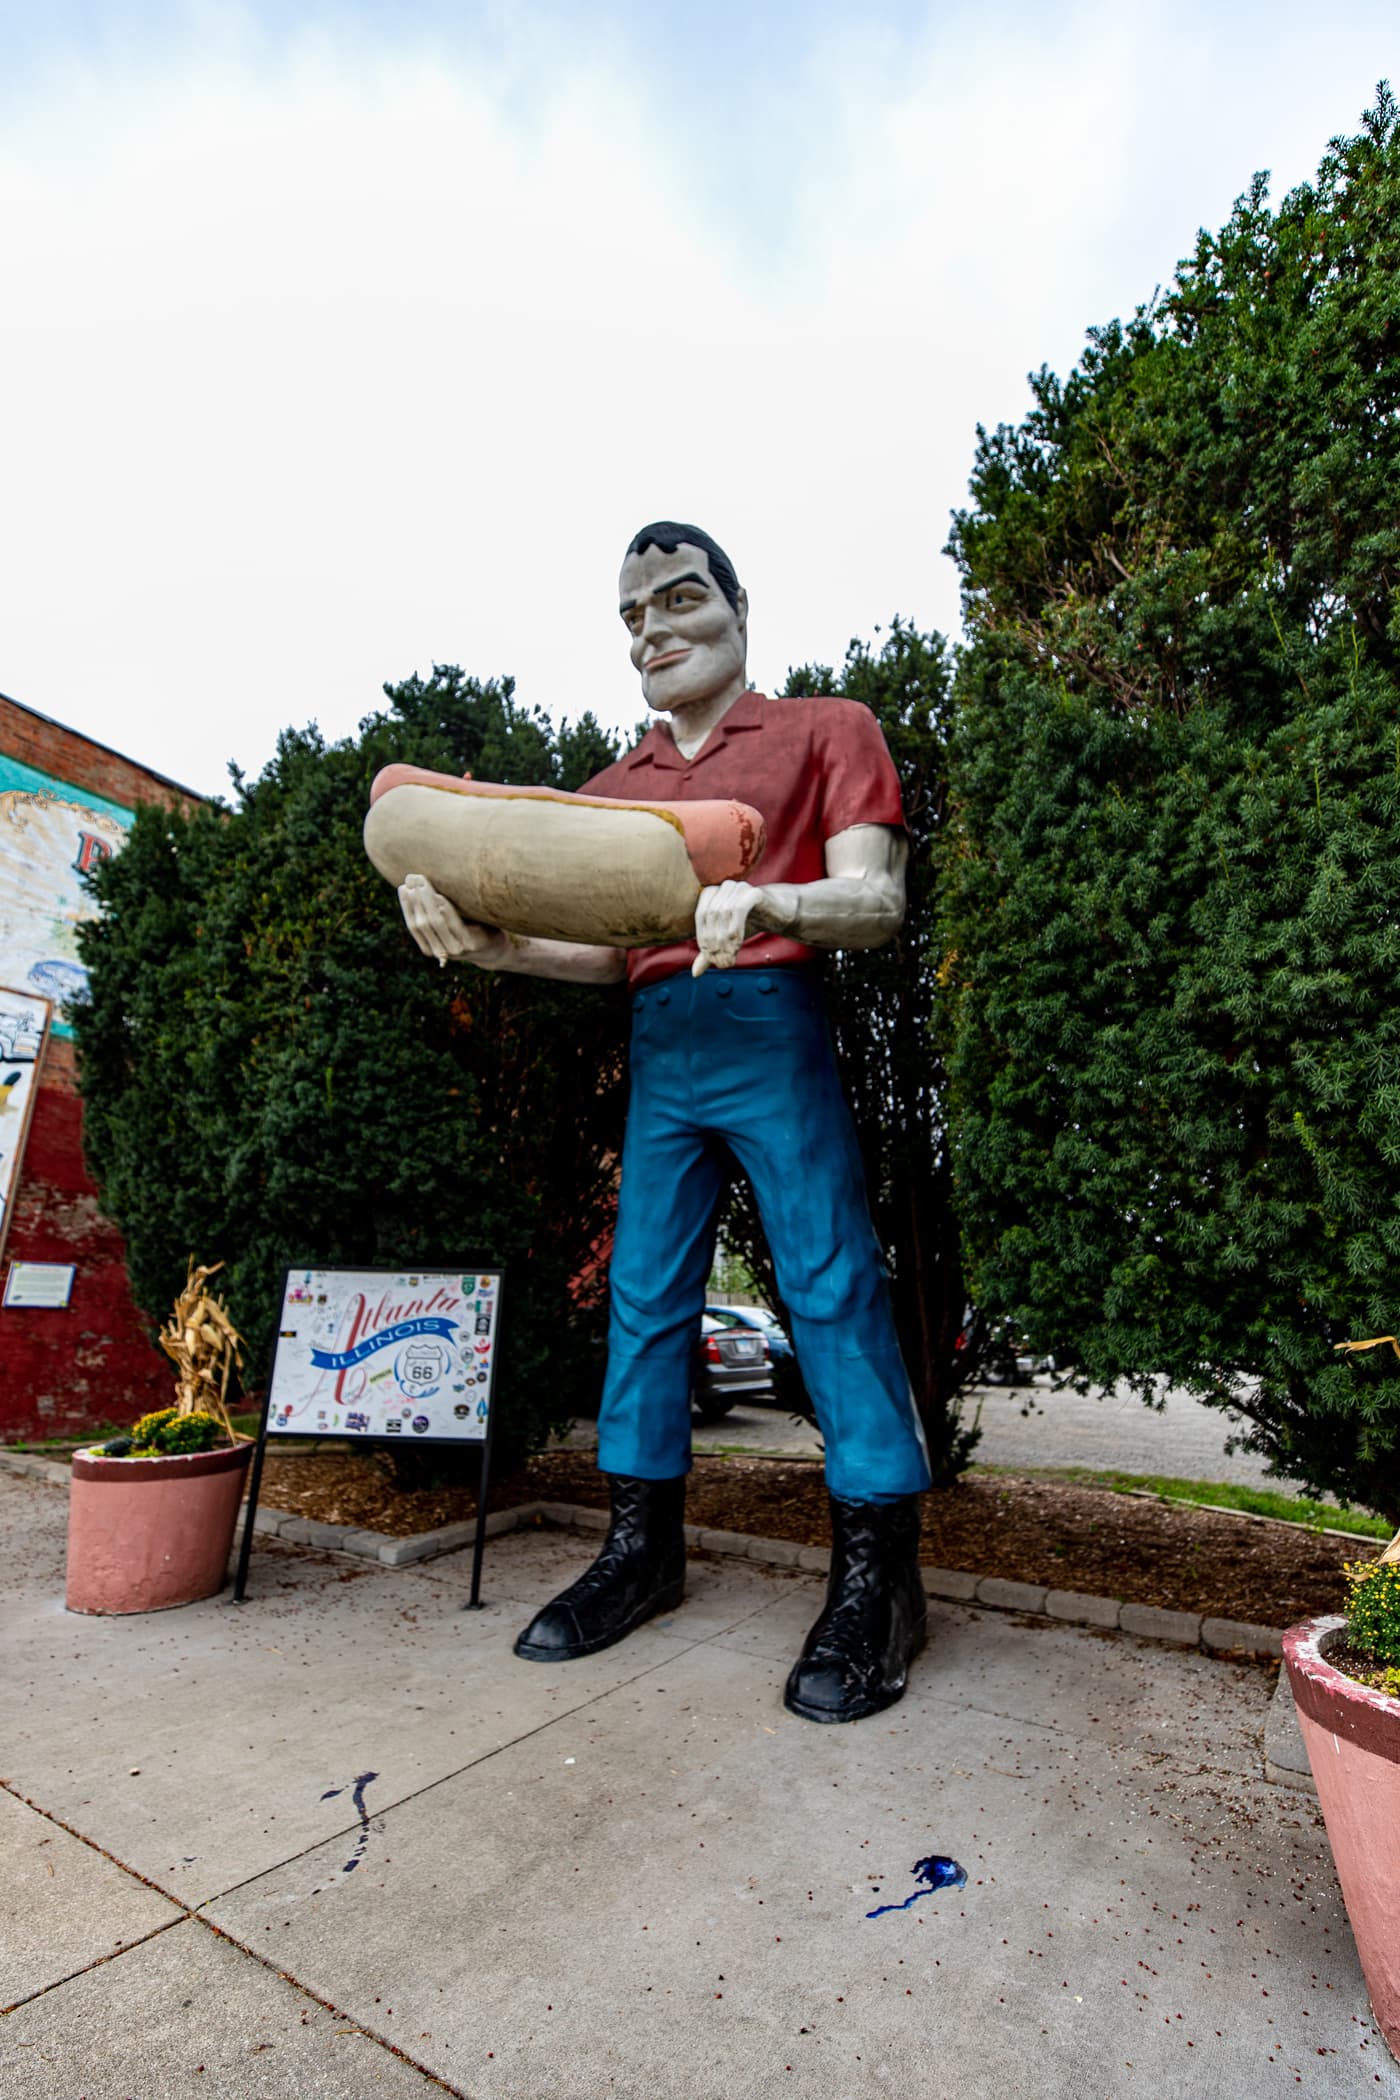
x=688, y=642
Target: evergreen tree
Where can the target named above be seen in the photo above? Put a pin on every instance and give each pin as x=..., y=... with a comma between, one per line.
x=881, y=1002
x=1169, y=926
x=273, y=1073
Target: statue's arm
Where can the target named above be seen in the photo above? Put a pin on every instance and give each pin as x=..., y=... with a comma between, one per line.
x=858, y=903
x=441, y=931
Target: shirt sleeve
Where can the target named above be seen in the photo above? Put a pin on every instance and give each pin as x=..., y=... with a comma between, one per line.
x=860, y=784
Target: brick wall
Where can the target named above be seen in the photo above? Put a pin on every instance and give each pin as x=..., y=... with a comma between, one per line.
x=36, y=741
x=64, y=1373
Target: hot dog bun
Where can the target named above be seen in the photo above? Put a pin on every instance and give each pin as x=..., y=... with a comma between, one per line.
x=540, y=862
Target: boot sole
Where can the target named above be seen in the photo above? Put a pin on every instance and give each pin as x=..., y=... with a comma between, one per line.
x=662, y=1600
x=885, y=1698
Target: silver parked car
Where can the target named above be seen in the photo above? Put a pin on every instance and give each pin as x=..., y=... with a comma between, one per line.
x=731, y=1364
x=760, y=1320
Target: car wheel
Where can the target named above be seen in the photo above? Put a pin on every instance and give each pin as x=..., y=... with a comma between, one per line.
x=709, y=1410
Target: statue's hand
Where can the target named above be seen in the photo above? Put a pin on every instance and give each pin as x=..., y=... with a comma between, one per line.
x=721, y=924
x=440, y=930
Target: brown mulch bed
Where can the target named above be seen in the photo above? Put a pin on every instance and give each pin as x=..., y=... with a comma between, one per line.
x=1027, y=1528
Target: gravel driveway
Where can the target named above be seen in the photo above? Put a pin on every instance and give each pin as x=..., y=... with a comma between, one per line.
x=1035, y=1426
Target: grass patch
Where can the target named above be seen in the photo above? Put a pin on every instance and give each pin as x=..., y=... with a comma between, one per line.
x=779, y=1458
x=1223, y=1494
x=64, y=1446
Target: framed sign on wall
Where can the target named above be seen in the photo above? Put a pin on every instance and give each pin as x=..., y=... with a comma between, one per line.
x=24, y=1028
x=384, y=1357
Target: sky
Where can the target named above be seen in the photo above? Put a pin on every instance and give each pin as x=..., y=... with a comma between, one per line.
x=344, y=339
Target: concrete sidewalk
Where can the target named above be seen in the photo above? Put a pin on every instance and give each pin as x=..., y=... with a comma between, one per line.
x=340, y=1842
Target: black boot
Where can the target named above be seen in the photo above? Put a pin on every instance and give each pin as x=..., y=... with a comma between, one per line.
x=856, y=1658
x=640, y=1571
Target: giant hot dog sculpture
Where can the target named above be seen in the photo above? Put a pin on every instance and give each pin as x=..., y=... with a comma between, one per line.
x=562, y=867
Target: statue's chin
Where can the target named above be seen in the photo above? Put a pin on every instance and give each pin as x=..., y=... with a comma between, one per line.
x=683, y=701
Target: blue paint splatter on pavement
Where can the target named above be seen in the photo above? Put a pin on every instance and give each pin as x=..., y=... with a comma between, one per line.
x=936, y=1873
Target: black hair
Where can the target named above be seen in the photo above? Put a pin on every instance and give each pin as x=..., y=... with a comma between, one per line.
x=668, y=535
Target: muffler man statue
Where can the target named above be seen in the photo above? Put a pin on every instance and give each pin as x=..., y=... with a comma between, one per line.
x=730, y=1054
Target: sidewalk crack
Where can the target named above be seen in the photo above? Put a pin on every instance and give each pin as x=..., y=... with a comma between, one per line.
x=48, y=1815
x=430, y=1786
x=186, y=1915
x=351, y=2024
x=99, y=1961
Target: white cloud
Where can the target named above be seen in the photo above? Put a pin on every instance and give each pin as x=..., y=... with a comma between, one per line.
x=327, y=358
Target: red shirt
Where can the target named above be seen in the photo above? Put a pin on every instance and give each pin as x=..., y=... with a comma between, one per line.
x=810, y=767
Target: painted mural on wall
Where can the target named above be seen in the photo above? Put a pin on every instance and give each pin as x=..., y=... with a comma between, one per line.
x=51, y=833
x=24, y=1018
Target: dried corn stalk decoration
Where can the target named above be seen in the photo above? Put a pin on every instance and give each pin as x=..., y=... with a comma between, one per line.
x=1377, y=1341
x=204, y=1345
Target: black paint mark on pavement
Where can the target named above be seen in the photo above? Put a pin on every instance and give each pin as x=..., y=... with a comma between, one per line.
x=357, y=1795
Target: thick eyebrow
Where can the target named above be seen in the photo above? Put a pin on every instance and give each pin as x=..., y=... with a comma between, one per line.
x=691, y=576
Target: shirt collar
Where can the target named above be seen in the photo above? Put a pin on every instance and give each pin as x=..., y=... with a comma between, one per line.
x=659, y=748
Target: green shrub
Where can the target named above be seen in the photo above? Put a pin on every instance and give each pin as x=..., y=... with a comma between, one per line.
x=1170, y=1025
x=881, y=1002
x=271, y=1070
x=167, y=1433
x=1373, y=1614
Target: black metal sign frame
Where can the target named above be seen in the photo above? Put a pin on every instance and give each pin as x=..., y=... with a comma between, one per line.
x=383, y=1443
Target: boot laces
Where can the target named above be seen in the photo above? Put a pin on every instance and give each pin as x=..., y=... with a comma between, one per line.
x=860, y=1587
x=611, y=1562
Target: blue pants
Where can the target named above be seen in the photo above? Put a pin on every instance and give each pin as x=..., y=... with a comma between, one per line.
x=743, y=1059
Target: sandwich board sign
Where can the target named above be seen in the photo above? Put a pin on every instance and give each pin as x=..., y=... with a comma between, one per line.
x=384, y=1357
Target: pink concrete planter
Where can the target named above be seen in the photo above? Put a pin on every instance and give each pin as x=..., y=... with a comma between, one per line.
x=147, y=1533
x=1352, y=1736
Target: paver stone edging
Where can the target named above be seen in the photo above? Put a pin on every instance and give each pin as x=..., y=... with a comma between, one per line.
x=950, y=1585
x=953, y=1585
